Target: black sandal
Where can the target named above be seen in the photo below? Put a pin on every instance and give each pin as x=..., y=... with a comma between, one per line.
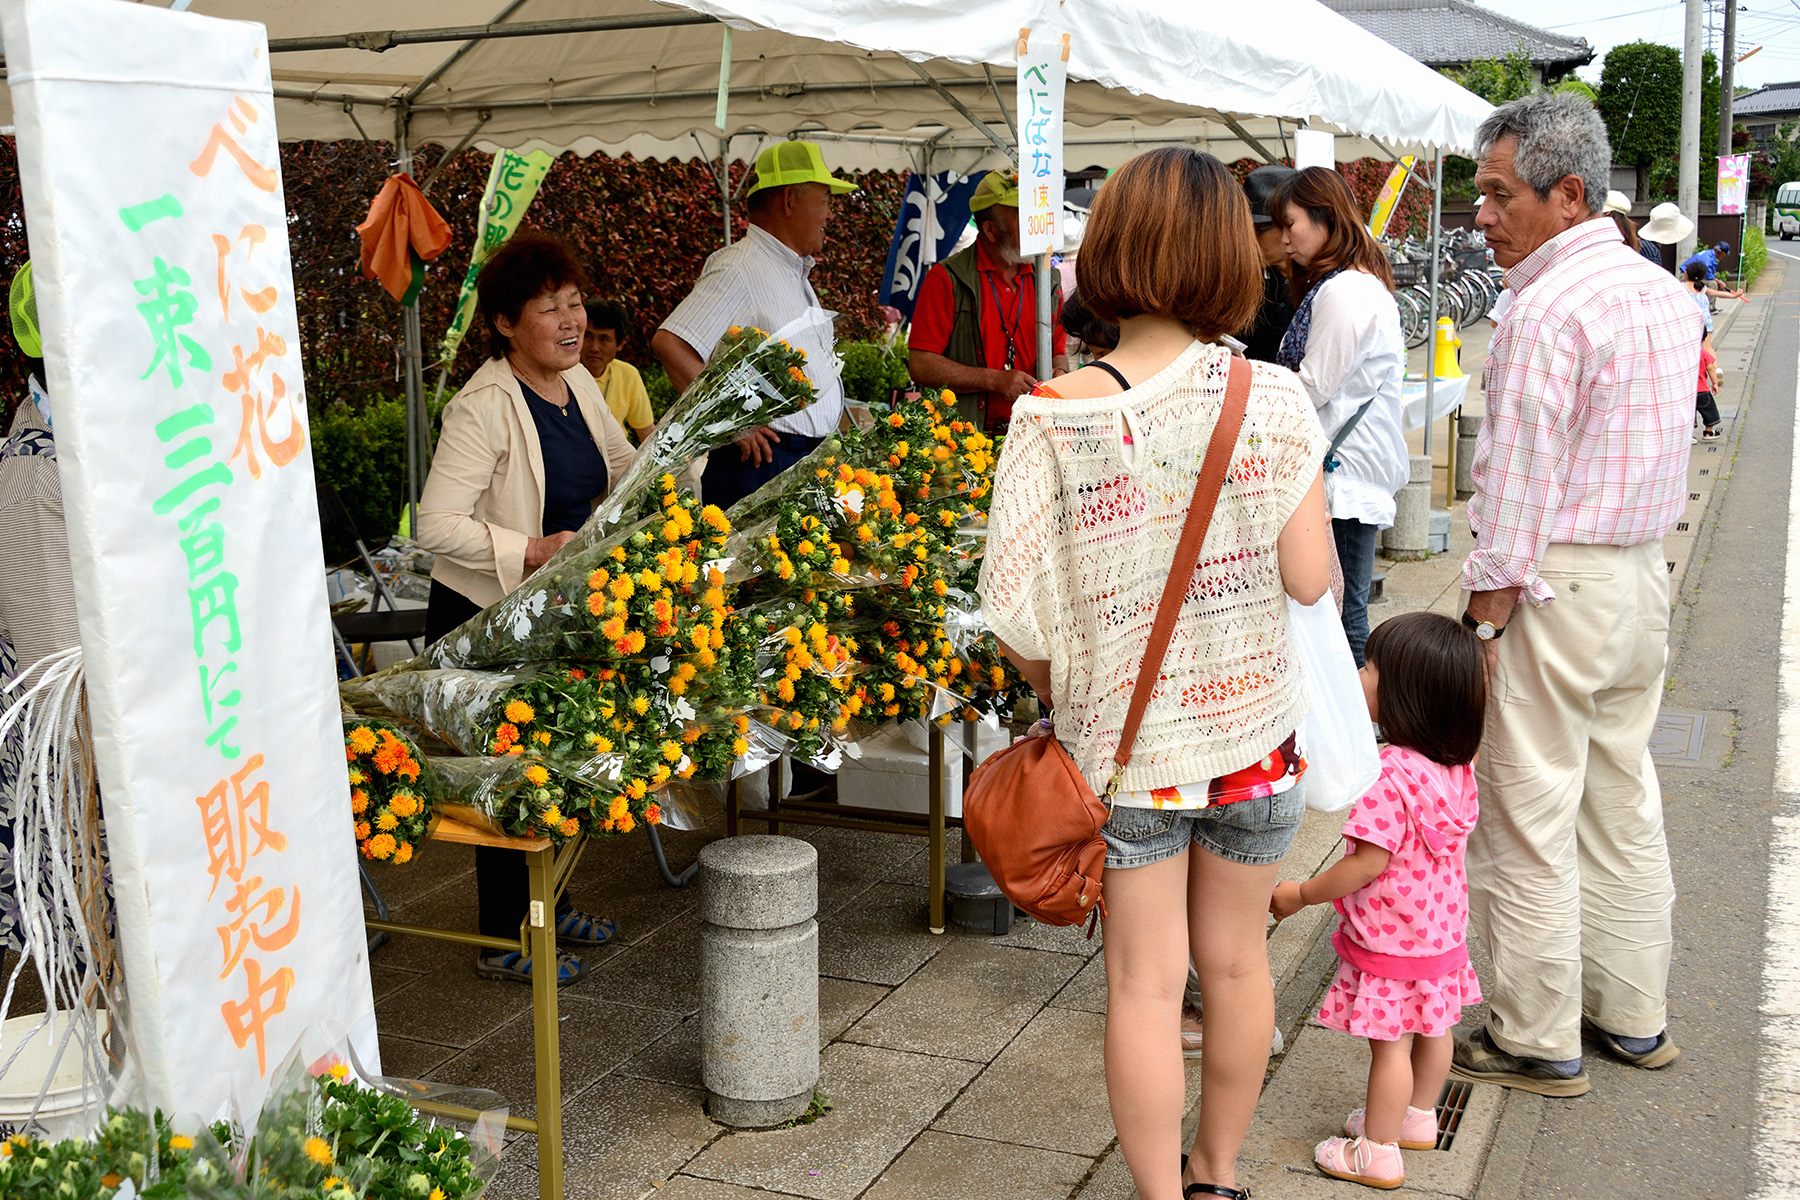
x=1214, y=1189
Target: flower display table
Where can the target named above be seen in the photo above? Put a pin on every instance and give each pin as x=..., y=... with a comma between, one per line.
x=548, y=869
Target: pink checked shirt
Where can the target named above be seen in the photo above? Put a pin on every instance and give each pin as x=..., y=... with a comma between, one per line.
x=1589, y=409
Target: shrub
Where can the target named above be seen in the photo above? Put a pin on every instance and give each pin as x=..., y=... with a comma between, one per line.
x=871, y=372
x=362, y=453
x=1756, y=255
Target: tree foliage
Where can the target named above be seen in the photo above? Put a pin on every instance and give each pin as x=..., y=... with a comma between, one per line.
x=1640, y=100
x=1497, y=80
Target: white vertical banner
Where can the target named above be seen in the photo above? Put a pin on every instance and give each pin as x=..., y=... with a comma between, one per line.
x=1314, y=148
x=155, y=214
x=1734, y=183
x=1043, y=72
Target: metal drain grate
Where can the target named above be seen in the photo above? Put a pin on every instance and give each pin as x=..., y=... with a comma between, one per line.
x=1450, y=1107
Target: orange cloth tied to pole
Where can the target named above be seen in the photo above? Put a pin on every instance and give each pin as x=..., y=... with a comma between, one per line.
x=401, y=234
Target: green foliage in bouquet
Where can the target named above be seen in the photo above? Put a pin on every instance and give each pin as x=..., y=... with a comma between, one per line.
x=329, y=1138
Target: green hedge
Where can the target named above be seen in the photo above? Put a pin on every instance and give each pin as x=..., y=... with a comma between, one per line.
x=362, y=453
x=1756, y=255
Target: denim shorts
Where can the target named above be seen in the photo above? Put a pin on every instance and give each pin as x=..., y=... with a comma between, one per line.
x=1253, y=832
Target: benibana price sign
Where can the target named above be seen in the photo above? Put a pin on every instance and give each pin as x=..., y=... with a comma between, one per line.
x=154, y=209
x=1043, y=74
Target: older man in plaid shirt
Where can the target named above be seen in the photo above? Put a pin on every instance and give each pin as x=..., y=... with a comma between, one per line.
x=1580, y=470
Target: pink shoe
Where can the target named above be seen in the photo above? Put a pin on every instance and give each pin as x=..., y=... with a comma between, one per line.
x=1373, y=1164
x=1418, y=1129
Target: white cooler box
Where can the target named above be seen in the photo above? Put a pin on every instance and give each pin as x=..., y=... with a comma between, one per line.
x=894, y=770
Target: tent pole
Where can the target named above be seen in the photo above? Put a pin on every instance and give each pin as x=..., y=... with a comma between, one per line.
x=725, y=186
x=1245, y=136
x=1431, y=364
x=981, y=126
x=1044, y=339
x=411, y=339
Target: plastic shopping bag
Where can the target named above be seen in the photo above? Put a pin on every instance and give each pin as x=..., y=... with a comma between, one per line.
x=1337, y=736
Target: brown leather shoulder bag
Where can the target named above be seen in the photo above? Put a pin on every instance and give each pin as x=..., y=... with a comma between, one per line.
x=1032, y=815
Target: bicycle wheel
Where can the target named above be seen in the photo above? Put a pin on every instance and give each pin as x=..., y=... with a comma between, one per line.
x=1413, y=325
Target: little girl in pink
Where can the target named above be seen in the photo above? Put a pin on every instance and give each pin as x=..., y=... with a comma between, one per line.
x=1404, y=975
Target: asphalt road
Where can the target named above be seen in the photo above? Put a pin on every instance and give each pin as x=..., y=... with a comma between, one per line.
x=1691, y=1129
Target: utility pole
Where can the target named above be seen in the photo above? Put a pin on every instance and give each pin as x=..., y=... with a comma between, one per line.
x=1688, y=178
x=1727, y=61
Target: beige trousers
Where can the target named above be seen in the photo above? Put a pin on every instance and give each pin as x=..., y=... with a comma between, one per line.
x=1569, y=883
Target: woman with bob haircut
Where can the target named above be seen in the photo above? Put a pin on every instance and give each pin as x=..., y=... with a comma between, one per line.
x=527, y=448
x=1345, y=342
x=1091, y=495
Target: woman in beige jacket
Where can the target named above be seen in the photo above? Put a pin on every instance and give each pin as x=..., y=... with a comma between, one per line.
x=528, y=448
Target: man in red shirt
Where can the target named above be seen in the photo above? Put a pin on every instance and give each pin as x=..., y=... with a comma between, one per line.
x=974, y=326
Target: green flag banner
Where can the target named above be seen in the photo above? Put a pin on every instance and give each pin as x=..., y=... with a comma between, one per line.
x=512, y=184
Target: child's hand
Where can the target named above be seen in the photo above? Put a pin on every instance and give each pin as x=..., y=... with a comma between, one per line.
x=1286, y=901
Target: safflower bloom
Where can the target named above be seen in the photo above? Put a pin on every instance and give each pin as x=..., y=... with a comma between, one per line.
x=520, y=713
x=537, y=774
x=319, y=1151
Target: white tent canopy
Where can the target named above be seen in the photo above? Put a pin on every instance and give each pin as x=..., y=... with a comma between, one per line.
x=630, y=68
x=944, y=148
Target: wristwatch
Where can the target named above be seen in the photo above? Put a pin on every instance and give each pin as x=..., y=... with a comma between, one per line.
x=1487, y=631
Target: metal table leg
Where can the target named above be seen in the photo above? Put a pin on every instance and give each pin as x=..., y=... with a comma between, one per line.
x=540, y=934
x=969, y=853
x=662, y=861
x=379, y=939
x=936, y=847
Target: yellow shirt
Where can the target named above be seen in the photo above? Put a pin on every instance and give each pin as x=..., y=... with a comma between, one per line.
x=625, y=395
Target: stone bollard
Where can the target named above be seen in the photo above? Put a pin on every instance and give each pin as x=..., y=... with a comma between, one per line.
x=1468, y=428
x=759, y=979
x=1410, y=538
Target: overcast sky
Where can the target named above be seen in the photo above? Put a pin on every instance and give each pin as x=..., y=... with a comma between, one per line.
x=1775, y=26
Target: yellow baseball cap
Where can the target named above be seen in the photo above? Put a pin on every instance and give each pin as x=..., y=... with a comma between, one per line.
x=996, y=187
x=787, y=163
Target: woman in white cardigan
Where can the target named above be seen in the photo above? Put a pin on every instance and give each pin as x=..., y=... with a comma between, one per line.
x=1090, y=499
x=528, y=447
x=1345, y=342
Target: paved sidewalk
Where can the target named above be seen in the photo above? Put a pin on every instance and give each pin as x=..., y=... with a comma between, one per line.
x=959, y=1066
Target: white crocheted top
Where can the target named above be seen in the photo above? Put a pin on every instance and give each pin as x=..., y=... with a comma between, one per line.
x=1080, y=539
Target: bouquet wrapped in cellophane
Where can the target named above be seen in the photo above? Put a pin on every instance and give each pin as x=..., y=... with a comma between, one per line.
x=649, y=584
x=524, y=795
x=392, y=793
x=868, y=533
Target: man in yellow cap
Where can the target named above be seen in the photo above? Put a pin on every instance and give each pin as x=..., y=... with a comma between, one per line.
x=974, y=327
x=761, y=280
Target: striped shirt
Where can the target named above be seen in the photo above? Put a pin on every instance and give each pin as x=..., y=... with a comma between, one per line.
x=759, y=281
x=1589, y=409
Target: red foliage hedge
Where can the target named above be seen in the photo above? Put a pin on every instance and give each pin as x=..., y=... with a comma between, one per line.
x=643, y=228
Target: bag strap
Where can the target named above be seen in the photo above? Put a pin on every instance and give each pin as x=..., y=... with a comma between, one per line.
x=1331, y=462
x=1187, y=555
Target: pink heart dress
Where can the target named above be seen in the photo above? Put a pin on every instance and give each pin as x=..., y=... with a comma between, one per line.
x=1403, y=959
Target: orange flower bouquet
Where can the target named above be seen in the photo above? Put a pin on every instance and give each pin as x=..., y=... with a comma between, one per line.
x=392, y=792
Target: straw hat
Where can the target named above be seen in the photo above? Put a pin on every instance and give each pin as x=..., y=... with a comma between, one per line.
x=1617, y=202
x=1666, y=225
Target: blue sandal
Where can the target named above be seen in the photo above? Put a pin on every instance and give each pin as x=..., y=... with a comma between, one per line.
x=576, y=928
x=514, y=967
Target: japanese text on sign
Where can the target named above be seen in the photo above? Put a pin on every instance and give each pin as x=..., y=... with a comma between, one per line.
x=1043, y=72
x=234, y=815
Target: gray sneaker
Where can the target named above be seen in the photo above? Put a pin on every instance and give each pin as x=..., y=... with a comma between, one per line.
x=1660, y=1055
x=1478, y=1060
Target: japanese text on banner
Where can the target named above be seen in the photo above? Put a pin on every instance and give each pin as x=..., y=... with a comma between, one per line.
x=1734, y=182
x=1043, y=72
x=208, y=344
